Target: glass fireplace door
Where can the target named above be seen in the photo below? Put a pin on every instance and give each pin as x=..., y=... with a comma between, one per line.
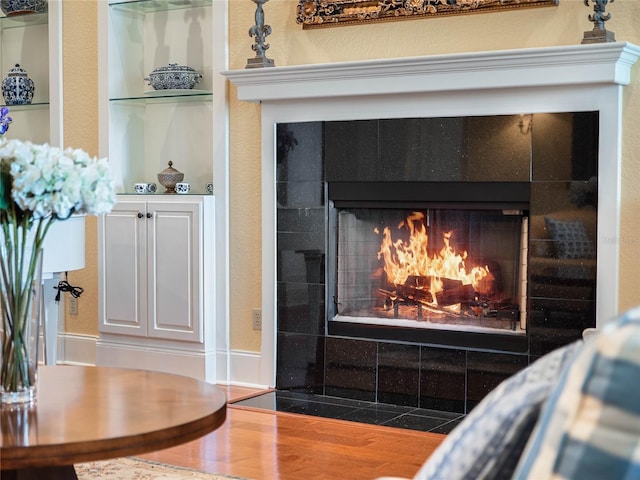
x=455, y=269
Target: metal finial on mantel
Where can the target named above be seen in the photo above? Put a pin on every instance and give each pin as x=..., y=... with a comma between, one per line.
x=260, y=31
x=599, y=34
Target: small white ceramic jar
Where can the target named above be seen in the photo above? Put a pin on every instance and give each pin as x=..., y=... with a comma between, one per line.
x=183, y=187
x=145, y=187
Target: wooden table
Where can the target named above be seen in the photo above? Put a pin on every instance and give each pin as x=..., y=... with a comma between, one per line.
x=94, y=413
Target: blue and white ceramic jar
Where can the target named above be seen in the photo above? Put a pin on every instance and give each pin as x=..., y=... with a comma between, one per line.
x=17, y=87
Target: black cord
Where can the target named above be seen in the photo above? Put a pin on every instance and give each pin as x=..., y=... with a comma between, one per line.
x=64, y=286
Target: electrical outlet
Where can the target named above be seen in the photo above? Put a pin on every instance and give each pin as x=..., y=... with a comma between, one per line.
x=256, y=316
x=73, y=305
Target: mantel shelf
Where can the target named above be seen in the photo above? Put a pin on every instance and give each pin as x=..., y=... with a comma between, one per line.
x=534, y=67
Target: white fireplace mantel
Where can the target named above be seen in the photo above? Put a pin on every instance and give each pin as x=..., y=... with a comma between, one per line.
x=574, y=78
x=536, y=67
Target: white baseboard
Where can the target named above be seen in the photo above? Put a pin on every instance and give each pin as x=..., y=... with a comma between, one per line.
x=192, y=363
x=245, y=368
x=235, y=367
x=76, y=349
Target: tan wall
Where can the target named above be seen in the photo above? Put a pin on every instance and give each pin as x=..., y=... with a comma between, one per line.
x=80, y=83
x=290, y=45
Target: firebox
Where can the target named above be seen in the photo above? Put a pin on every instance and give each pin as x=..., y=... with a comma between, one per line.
x=425, y=262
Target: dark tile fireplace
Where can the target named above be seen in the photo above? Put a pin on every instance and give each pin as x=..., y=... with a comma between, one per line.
x=420, y=261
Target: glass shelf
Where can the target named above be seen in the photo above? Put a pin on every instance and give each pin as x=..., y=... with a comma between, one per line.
x=163, y=194
x=158, y=96
x=28, y=106
x=24, y=20
x=149, y=6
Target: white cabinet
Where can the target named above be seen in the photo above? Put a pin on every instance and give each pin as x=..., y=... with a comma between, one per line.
x=155, y=295
x=153, y=254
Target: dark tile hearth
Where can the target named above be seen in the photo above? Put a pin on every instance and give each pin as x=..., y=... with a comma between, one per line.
x=355, y=410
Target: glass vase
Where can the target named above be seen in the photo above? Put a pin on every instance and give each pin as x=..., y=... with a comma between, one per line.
x=21, y=285
x=18, y=424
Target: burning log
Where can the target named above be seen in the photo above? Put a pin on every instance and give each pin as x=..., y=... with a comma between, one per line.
x=416, y=291
x=420, y=281
x=458, y=294
x=416, y=294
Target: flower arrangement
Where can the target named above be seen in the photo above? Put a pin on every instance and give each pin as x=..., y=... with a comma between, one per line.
x=39, y=185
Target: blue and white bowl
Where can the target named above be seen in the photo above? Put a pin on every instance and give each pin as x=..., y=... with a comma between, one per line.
x=173, y=77
x=18, y=7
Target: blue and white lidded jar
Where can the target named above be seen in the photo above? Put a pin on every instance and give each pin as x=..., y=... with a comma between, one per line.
x=21, y=7
x=17, y=87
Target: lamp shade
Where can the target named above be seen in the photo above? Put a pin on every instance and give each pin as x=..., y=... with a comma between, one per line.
x=64, y=246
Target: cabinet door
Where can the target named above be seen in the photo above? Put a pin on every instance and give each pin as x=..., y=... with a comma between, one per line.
x=174, y=247
x=124, y=272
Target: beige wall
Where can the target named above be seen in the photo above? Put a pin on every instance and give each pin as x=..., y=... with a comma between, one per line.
x=290, y=45
x=80, y=83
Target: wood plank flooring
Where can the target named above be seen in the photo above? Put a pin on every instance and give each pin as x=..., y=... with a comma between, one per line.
x=268, y=445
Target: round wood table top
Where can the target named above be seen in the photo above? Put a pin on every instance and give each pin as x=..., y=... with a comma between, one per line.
x=92, y=413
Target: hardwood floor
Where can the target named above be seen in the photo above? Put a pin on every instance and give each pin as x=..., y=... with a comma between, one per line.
x=266, y=445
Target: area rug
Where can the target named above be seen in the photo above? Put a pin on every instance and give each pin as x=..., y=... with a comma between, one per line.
x=131, y=468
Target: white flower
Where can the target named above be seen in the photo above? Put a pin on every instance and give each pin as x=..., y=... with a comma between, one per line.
x=50, y=182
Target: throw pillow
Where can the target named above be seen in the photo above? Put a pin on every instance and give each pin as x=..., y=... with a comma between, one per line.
x=571, y=238
x=489, y=441
x=590, y=427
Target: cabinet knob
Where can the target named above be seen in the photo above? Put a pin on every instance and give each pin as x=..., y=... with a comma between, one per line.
x=140, y=215
x=149, y=215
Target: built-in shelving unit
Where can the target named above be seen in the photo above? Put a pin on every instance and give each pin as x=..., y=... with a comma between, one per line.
x=157, y=252
x=147, y=128
x=32, y=40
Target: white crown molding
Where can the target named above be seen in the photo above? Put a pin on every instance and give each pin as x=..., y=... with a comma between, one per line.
x=565, y=65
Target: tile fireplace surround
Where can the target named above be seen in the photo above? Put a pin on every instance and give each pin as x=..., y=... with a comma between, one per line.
x=302, y=355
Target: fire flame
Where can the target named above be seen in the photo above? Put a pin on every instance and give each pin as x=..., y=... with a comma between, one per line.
x=411, y=258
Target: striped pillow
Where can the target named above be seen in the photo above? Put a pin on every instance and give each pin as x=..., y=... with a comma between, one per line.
x=590, y=427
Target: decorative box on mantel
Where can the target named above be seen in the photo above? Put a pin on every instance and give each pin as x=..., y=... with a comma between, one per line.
x=515, y=95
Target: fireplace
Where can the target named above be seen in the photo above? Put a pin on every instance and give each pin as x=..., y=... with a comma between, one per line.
x=421, y=260
x=428, y=242
x=435, y=268
x=433, y=245
x=560, y=108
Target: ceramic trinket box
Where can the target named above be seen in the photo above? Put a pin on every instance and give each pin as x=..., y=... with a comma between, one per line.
x=173, y=76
